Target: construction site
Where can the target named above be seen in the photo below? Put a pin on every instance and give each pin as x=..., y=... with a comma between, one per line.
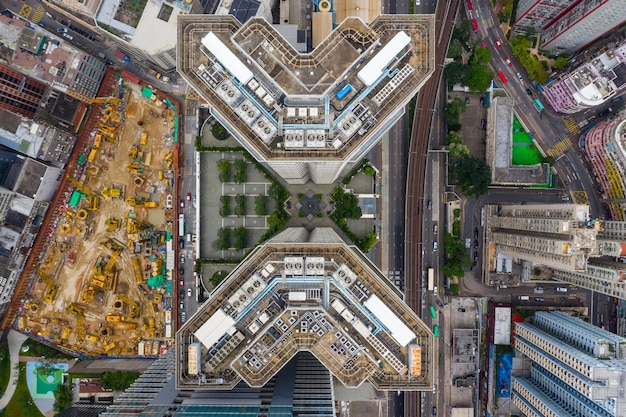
x=101, y=284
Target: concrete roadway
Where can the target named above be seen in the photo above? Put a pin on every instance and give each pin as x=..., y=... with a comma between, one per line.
x=547, y=128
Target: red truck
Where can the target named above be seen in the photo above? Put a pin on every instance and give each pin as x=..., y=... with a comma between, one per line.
x=121, y=55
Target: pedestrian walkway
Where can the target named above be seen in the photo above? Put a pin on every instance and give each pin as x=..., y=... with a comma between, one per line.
x=560, y=147
x=15, y=340
x=38, y=14
x=571, y=124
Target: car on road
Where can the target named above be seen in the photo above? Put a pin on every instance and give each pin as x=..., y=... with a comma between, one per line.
x=476, y=244
x=183, y=316
x=439, y=303
x=467, y=101
x=41, y=25
x=68, y=36
x=475, y=257
x=530, y=93
x=435, y=229
x=482, y=101
x=434, y=411
x=62, y=30
x=430, y=204
x=181, y=270
x=193, y=201
x=616, y=100
x=476, y=233
x=188, y=196
x=189, y=292
x=561, y=289
x=498, y=44
x=508, y=62
x=181, y=293
x=434, y=246
x=181, y=305
x=181, y=282
x=182, y=204
x=483, y=124
x=539, y=289
x=181, y=243
x=539, y=299
x=182, y=258
x=461, y=310
x=519, y=75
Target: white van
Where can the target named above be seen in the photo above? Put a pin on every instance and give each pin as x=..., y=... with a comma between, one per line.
x=188, y=237
x=524, y=298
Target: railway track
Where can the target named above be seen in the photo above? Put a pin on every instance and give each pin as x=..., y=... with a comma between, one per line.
x=418, y=148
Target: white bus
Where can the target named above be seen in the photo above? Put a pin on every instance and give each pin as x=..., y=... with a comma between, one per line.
x=181, y=225
x=431, y=279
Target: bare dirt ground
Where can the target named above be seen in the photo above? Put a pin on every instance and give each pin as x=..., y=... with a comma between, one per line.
x=100, y=260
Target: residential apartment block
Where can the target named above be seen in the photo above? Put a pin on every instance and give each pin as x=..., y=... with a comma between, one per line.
x=307, y=116
x=581, y=24
x=591, y=84
x=305, y=291
x=577, y=368
x=538, y=13
x=579, y=250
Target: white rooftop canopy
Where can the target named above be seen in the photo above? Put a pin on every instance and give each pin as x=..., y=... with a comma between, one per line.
x=228, y=59
x=374, y=69
x=399, y=331
x=214, y=328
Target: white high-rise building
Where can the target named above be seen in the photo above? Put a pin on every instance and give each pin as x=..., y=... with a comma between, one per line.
x=577, y=368
x=307, y=116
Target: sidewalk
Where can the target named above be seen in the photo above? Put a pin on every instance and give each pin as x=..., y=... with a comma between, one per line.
x=15, y=340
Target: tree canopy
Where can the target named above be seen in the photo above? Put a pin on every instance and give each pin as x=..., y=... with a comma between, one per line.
x=456, y=259
x=479, y=78
x=118, y=381
x=521, y=48
x=62, y=398
x=481, y=56
x=472, y=175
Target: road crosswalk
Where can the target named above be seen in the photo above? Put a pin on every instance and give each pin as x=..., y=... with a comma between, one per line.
x=38, y=14
x=571, y=124
x=559, y=147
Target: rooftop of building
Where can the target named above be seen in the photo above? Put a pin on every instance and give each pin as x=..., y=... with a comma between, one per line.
x=49, y=58
x=499, y=149
x=598, y=79
x=282, y=104
x=305, y=292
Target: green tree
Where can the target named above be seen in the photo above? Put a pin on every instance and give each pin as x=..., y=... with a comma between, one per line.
x=452, y=113
x=225, y=207
x=453, y=137
x=223, y=239
x=240, y=205
x=462, y=32
x=367, y=243
x=240, y=171
x=549, y=160
x=560, y=62
x=277, y=192
x=346, y=205
x=458, y=150
x=479, y=78
x=456, y=49
x=62, y=398
x=219, y=131
x=473, y=176
x=119, y=380
x=481, y=56
x=456, y=73
x=223, y=166
x=260, y=205
x=455, y=289
x=239, y=238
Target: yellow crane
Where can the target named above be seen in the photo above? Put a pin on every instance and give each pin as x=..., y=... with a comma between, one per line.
x=51, y=288
x=135, y=310
x=94, y=198
x=78, y=311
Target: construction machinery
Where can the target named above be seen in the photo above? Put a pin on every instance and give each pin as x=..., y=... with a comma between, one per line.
x=78, y=311
x=111, y=192
x=51, y=288
x=97, y=140
x=94, y=199
x=115, y=249
x=150, y=327
x=105, y=100
x=112, y=224
x=135, y=168
x=133, y=308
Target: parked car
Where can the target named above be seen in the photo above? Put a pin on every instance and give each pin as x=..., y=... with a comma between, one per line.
x=183, y=316
x=62, y=30
x=616, y=100
x=182, y=204
x=429, y=204
x=561, y=289
x=467, y=101
x=439, y=303
x=539, y=299
x=434, y=246
x=482, y=101
x=181, y=282
x=68, y=36
x=181, y=271
x=530, y=93
x=435, y=228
